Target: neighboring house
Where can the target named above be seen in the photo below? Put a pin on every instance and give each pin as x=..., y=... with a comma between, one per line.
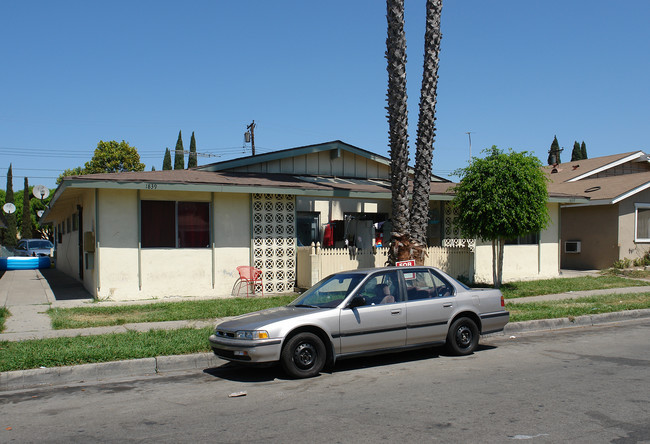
x=615, y=222
x=153, y=234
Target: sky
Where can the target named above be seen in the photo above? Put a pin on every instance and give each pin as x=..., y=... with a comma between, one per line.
x=512, y=73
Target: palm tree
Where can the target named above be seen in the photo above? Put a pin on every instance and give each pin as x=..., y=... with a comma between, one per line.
x=426, y=131
x=408, y=239
x=397, y=126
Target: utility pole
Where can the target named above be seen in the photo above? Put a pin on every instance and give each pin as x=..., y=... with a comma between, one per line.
x=469, y=134
x=249, y=136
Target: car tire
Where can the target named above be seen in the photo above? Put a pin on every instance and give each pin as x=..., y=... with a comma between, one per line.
x=462, y=337
x=303, y=356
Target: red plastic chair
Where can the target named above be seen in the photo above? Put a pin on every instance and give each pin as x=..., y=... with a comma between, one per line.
x=250, y=276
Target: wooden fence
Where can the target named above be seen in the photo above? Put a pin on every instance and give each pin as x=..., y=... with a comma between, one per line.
x=314, y=263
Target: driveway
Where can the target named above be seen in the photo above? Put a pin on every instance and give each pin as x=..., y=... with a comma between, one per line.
x=29, y=293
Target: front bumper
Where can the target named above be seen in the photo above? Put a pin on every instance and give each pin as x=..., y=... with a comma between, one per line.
x=243, y=350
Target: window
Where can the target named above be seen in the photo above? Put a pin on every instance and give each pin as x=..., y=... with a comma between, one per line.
x=381, y=289
x=175, y=224
x=308, y=228
x=424, y=285
x=527, y=239
x=642, y=222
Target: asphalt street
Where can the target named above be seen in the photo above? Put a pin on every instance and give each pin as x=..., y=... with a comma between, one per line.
x=583, y=385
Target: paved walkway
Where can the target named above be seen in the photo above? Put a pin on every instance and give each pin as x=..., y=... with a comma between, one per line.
x=30, y=293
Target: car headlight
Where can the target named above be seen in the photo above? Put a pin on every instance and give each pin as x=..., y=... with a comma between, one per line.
x=252, y=334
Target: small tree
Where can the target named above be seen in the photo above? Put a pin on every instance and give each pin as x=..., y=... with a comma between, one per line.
x=191, y=160
x=179, y=156
x=576, y=154
x=554, y=152
x=9, y=239
x=114, y=157
x=167, y=160
x=502, y=196
x=26, y=226
x=583, y=150
x=77, y=171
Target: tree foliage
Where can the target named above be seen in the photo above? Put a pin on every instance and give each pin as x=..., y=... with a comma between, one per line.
x=26, y=225
x=554, y=152
x=109, y=157
x=500, y=197
x=167, y=160
x=76, y=171
x=179, y=156
x=576, y=154
x=583, y=150
x=114, y=157
x=191, y=160
x=9, y=234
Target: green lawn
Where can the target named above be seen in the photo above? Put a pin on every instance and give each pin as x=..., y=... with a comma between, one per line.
x=522, y=289
x=4, y=314
x=96, y=316
x=569, y=308
x=56, y=352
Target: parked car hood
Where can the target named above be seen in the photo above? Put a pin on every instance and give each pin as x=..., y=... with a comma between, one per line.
x=257, y=319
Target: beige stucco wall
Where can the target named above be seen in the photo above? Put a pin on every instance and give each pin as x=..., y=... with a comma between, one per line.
x=523, y=262
x=626, y=226
x=126, y=273
x=596, y=227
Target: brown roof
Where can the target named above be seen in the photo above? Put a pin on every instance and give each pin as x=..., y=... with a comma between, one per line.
x=569, y=170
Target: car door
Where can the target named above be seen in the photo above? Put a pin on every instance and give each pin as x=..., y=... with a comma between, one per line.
x=380, y=322
x=429, y=306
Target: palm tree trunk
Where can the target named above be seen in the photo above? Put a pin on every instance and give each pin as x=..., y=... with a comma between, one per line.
x=398, y=126
x=426, y=131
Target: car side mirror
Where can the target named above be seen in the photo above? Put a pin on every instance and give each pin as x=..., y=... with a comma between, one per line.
x=357, y=301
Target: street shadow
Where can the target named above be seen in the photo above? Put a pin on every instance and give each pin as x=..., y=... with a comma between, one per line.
x=64, y=287
x=241, y=373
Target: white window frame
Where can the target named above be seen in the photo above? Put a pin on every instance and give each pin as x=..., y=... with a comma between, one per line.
x=637, y=206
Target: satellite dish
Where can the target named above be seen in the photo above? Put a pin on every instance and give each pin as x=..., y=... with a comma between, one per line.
x=9, y=208
x=40, y=212
x=40, y=191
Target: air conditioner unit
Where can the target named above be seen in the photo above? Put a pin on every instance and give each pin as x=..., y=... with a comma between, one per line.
x=572, y=246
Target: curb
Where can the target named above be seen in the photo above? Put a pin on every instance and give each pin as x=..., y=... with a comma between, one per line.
x=75, y=374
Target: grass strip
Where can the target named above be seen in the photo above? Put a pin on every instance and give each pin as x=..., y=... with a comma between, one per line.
x=95, y=316
x=4, y=314
x=522, y=289
x=56, y=352
x=570, y=308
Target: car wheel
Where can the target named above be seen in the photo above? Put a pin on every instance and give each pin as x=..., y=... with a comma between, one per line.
x=462, y=337
x=303, y=356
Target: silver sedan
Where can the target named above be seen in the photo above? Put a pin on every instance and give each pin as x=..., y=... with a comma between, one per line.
x=363, y=311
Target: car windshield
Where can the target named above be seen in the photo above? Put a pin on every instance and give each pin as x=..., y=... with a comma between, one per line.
x=329, y=292
x=40, y=244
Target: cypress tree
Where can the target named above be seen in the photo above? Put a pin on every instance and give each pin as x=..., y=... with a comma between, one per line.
x=583, y=150
x=191, y=161
x=167, y=160
x=179, y=157
x=576, y=154
x=554, y=152
x=10, y=233
x=26, y=226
